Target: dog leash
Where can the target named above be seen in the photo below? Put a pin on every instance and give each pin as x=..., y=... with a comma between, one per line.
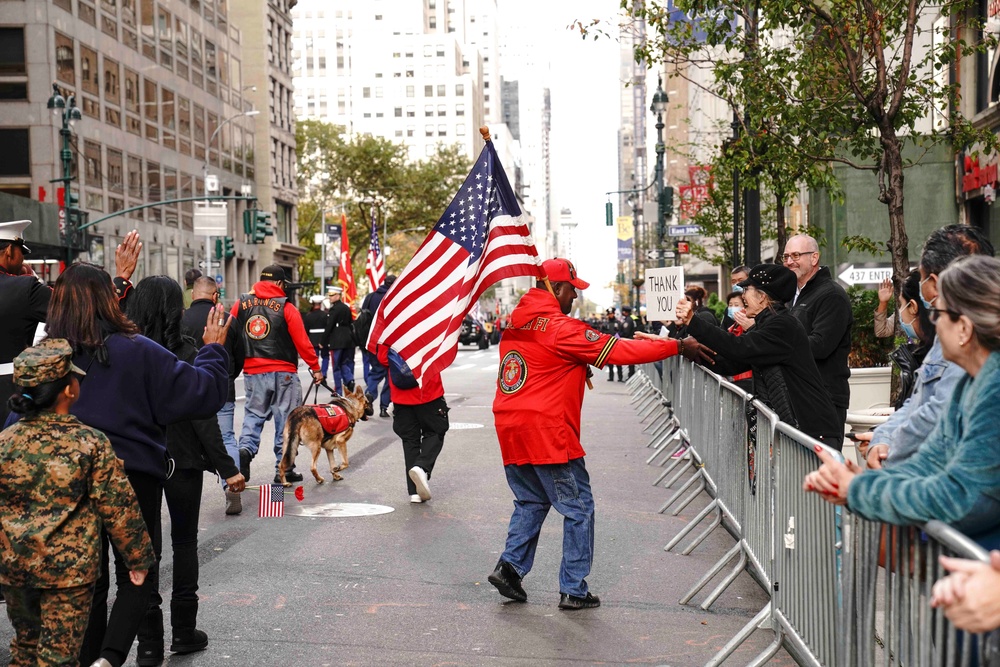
x=315, y=388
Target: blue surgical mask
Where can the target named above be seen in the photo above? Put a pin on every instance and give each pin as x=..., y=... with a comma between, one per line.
x=732, y=310
x=927, y=304
x=907, y=327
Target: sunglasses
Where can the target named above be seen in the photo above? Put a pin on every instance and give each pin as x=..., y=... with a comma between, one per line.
x=794, y=256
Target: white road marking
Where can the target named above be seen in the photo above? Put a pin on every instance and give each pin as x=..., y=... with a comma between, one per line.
x=461, y=368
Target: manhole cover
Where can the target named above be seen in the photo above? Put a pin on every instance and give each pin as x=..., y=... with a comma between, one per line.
x=338, y=510
x=458, y=426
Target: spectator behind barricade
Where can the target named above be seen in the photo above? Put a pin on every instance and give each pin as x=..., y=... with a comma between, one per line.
x=824, y=309
x=196, y=447
x=206, y=296
x=954, y=477
x=61, y=485
x=738, y=275
x=735, y=305
x=776, y=349
x=915, y=322
x=134, y=389
x=885, y=322
x=190, y=276
x=900, y=436
x=970, y=595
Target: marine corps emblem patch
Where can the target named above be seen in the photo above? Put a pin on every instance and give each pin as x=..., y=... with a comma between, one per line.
x=592, y=335
x=513, y=373
x=258, y=327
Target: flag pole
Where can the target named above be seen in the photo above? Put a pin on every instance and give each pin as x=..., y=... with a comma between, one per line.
x=485, y=131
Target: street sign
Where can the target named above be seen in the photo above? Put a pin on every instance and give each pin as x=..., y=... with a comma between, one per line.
x=212, y=265
x=210, y=218
x=219, y=279
x=865, y=275
x=683, y=230
x=660, y=253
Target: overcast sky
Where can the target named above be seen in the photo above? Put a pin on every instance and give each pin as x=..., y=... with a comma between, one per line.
x=583, y=78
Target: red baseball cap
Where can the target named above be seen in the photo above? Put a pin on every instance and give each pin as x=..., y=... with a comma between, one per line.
x=561, y=270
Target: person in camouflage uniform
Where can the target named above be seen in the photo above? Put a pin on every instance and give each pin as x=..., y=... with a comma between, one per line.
x=59, y=483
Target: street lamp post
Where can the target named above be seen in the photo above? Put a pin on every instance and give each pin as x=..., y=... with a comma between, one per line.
x=67, y=111
x=637, y=282
x=659, y=107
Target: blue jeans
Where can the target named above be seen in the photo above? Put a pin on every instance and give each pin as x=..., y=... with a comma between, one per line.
x=273, y=394
x=343, y=368
x=377, y=373
x=565, y=486
x=226, y=416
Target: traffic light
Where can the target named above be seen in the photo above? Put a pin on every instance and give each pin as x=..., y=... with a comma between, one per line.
x=261, y=226
x=666, y=202
x=609, y=215
x=224, y=248
x=248, y=221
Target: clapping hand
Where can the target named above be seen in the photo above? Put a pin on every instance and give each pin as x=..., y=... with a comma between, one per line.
x=741, y=319
x=217, y=326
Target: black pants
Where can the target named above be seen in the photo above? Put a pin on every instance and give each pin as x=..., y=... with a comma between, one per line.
x=421, y=428
x=611, y=372
x=111, y=638
x=183, y=493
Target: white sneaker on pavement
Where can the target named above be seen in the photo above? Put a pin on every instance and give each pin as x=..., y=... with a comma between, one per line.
x=415, y=499
x=419, y=478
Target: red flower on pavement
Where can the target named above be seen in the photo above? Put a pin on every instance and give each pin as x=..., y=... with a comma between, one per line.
x=299, y=493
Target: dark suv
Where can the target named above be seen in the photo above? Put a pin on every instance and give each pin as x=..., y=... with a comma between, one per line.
x=473, y=333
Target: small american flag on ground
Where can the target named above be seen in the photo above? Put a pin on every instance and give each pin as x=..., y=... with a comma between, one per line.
x=272, y=501
x=375, y=268
x=478, y=241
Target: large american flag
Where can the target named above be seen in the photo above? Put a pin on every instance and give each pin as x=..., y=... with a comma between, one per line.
x=375, y=268
x=272, y=501
x=478, y=241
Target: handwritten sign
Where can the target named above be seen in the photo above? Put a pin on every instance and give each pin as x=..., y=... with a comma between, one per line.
x=664, y=288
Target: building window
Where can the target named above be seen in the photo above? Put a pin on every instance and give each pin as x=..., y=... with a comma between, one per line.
x=88, y=71
x=428, y=110
x=112, y=93
x=410, y=91
x=135, y=179
x=12, y=51
x=65, y=70
x=366, y=92
x=442, y=110
x=131, y=91
x=442, y=90
x=115, y=171
x=459, y=89
x=398, y=112
x=442, y=130
x=93, y=169
x=428, y=130
x=17, y=156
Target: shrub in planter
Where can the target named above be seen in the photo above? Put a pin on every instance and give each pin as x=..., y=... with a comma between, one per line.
x=867, y=350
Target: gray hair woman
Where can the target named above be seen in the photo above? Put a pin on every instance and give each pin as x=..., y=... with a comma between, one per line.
x=955, y=475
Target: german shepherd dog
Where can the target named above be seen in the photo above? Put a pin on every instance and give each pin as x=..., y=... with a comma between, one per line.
x=303, y=427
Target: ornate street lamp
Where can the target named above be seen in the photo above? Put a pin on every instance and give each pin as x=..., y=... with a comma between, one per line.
x=659, y=107
x=71, y=218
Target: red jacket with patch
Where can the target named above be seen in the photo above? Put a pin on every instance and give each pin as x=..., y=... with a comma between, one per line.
x=544, y=357
x=429, y=390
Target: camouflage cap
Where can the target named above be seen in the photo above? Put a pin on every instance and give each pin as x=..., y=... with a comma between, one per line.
x=50, y=360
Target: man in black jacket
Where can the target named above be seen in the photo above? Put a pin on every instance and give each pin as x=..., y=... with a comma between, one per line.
x=339, y=342
x=315, y=322
x=377, y=373
x=824, y=309
x=629, y=325
x=204, y=296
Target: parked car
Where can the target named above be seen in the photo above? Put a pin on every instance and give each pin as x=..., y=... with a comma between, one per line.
x=473, y=333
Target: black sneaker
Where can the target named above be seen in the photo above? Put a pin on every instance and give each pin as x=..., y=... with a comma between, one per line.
x=506, y=580
x=290, y=476
x=245, y=458
x=567, y=601
x=383, y=413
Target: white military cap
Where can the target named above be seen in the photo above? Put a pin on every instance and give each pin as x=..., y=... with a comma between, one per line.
x=334, y=290
x=14, y=233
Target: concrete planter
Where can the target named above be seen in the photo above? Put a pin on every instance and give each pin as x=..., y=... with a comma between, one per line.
x=870, y=388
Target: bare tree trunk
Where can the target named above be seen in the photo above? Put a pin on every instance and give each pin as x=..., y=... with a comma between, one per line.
x=898, y=241
x=780, y=217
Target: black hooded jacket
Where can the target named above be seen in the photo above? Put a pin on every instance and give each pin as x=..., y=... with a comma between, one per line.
x=785, y=376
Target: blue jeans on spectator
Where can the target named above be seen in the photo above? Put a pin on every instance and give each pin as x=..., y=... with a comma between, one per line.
x=565, y=486
x=343, y=368
x=377, y=373
x=273, y=394
x=226, y=416
x=365, y=365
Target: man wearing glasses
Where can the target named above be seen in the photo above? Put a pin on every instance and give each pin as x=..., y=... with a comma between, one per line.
x=824, y=309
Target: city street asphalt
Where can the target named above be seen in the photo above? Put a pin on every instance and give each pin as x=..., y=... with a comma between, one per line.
x=408, y=586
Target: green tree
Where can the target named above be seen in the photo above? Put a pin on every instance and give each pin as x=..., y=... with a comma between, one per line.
x=827, y=80
x=355, y=173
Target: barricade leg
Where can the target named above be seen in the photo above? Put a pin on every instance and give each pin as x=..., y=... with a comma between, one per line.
x=743, y=635
x=725, y=583
x=705, y=533
x=693, y=523
x=657, y=425
x=680, y=461
x=700, y=475
x=708, y=576
x=667, y=439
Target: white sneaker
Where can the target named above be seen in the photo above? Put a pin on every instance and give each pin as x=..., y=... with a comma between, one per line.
x=419, y=478
x=416, y=499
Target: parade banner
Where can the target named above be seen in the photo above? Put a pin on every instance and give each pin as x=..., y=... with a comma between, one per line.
x=626, y=237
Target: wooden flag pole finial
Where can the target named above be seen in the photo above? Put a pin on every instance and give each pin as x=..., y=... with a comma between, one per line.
x=485, y=131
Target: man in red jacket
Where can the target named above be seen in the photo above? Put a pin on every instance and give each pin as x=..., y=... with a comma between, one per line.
x=273, y=338
x=544, y=363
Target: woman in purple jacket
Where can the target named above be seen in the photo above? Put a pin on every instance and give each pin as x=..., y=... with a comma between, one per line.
x=134, y=389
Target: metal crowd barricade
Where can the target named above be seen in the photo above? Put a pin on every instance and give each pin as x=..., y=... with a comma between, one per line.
x=844, y=591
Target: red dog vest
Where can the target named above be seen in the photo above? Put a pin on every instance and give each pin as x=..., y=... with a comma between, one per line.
x=333, y=418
